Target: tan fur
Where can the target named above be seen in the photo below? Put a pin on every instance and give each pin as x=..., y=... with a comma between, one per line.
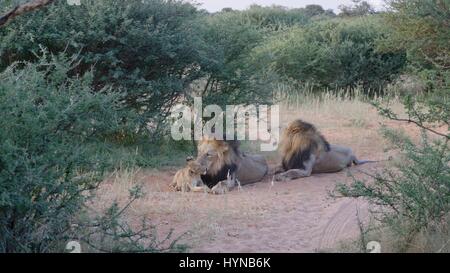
x=302, y=138
x=226, y=154
x=298, y=136
x=218, y=155
x=189, y=178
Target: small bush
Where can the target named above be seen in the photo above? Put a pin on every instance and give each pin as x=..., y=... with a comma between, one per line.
x=148, y=50
x=334, y=54
x=412, y=196
x=47, y=167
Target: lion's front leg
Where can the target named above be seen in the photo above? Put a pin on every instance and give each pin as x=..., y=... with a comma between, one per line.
x=276, y=170
x=292, y=174
x=220, y=188
x=225, y=186
x=297, y=173
x=200, y=189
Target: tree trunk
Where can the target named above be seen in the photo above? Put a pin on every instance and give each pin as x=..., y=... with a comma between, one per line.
x=24, y=8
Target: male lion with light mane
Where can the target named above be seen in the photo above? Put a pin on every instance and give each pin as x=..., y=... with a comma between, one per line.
x=227, y=167
x=189, y=178
x=305, y=151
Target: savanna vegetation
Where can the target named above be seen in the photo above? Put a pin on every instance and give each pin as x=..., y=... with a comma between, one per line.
x=86, y=89
x=413, y=195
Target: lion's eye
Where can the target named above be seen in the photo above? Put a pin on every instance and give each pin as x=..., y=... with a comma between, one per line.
x=191, y=171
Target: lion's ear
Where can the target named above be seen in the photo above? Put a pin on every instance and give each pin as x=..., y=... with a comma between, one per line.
x=189, y=158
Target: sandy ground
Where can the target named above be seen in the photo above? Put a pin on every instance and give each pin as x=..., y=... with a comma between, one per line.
x=294, y=216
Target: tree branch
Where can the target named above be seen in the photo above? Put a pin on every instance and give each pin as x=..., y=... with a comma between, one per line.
x=24, y=8
x=419, y=124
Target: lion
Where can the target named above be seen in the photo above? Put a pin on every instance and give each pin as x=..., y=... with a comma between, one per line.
x=226, y=167
x=305, y=150
x=189, y=179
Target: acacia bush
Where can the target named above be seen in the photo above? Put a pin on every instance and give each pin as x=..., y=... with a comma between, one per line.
x=421, y=29
x=334, y=54
x=47, y=167
x=149, y=50
x=279, y=17
x=413, y=195
x=231, y=79
x=159, y=52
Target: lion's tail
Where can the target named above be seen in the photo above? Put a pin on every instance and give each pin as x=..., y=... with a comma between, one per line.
x=362, y=162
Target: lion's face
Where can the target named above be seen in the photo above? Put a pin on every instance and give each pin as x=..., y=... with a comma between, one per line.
x=210, y=152
x=219, y=158
x=189, y=177
x=195, y=170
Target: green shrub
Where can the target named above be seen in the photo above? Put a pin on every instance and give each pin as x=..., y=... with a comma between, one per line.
x=149, y=49
x=231, y=79
x=421, y=27
x=334, y=54
x=278, y=17
x=359, y=8
x=48, y=169
x=413, y=195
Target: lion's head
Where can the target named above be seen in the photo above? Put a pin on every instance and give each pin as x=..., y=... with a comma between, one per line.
x=219, y=157
x=299, y=140
x=189, y=177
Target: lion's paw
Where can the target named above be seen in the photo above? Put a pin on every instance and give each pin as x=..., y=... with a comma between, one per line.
x=220, y=188
x=280, y=178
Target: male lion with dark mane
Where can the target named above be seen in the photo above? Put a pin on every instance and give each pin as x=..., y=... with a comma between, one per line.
x=305, y=151
x=227, y=167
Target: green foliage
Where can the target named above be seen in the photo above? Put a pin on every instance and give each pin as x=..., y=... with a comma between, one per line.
x=314, y=10
x=48, y=169
x=44, y=166
x=423, y=110
x=278, y=17
x=143, y=153
x=234, y=35
x=334, y=54
x=148, y=49
x=359, y=8
x=414, y=194
x=423, y=28
x=158, y=50
x=231, y=78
